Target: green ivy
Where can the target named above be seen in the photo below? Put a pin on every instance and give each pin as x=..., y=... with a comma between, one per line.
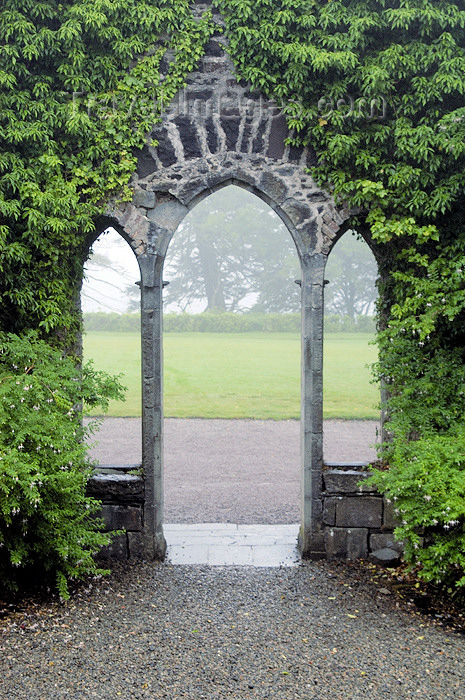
x=80, y=89
x=376, y=88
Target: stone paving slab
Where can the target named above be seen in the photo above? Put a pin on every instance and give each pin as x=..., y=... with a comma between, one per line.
x=221, y=544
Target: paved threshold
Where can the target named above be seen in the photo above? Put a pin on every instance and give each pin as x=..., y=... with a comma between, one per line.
x=226, y=544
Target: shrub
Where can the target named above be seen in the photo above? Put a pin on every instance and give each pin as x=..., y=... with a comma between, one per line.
x=426, y=483
x=48, y=525
x=104, y=321
x=334, y=323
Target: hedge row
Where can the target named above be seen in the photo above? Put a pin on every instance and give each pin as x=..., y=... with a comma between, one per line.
x=225, y=323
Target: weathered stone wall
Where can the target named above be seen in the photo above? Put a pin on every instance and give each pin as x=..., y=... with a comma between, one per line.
x=358, y=522
x=121, y=490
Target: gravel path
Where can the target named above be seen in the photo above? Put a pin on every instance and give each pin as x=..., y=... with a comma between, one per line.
x=236, y=471
x=320, y=631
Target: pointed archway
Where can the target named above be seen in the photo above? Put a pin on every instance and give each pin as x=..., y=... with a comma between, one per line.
x=218, y=133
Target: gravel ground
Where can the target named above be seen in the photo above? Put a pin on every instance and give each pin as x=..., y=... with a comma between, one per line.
x=321, y=630
x=233, y=471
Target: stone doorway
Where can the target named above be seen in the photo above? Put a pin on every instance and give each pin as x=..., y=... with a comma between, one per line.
x=218, y=133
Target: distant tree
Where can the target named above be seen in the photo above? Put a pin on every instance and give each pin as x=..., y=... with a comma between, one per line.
x=233, y=253
x=108, y=270
x=352, y=272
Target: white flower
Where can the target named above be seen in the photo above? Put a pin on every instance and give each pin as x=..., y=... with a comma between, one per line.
x=427, y=498
x=21, y=447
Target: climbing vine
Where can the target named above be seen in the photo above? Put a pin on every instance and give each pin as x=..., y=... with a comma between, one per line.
x=83, y=82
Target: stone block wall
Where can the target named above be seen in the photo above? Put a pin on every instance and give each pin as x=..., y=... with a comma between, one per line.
x=357, y=521
x=121, y=490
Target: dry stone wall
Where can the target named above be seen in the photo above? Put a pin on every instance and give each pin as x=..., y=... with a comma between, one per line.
x=121, y=490
x=358, y=522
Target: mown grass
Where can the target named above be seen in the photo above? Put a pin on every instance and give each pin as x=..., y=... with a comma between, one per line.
x=243, y=375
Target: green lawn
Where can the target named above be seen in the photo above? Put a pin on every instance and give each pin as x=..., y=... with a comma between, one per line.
x=243, y=375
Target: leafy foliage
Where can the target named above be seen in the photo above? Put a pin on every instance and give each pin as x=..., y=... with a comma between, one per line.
x=82, y=84
x=426, y=482
x=376, y=87
x=46, y=520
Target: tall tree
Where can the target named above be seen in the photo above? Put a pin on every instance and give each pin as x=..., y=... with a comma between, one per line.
x=234, y=254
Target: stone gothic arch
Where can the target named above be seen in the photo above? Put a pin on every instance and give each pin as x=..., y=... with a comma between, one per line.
x=219, y=132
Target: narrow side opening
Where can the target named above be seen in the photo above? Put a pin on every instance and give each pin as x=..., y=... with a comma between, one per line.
x=351, y=400
x=110, y=300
